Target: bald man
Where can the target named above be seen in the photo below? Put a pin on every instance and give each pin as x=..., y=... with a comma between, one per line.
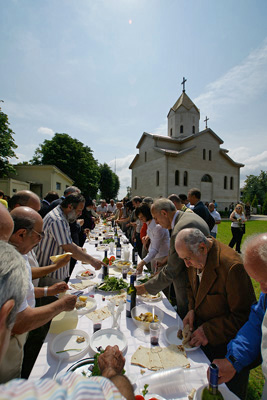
x=6, y=224
x=27, y=233
x=30, y=199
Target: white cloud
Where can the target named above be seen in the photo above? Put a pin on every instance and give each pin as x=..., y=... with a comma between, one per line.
x=239, y=85
x=45, y=131
x=121, y=167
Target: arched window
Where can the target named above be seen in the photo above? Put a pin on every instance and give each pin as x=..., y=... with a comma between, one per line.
x=135, y=182
x=231, y=183
x=193, y=129
x=206, y=178
x=181, y=129
x=185, y=178
x=225, y=182
x=157, y=178
x=177, y=178
x=209, y=155
x=171, y=132
x=204, y=154
x=145, y=157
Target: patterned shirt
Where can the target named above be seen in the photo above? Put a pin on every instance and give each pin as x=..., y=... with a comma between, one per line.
x=68, y=387
x=57, y=234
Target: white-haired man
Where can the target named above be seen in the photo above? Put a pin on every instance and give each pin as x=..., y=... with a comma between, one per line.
x=166, y=215
x=220, y=294
x=251, y=339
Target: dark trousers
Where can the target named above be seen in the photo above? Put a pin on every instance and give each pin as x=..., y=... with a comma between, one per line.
x=236, y=239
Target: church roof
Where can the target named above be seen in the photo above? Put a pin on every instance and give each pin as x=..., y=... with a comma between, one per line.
x=185, y=101
x=174, y=153
x=224, y=151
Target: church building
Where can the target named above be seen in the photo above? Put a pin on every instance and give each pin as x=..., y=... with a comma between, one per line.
x=186, y=158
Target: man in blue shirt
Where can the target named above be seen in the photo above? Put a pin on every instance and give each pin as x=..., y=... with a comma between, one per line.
x=245, y=348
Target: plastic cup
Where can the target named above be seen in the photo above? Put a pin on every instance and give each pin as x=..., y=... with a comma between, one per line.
x=97, y=326
x=154, y=329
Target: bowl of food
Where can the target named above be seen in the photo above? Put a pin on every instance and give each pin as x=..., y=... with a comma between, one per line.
x=144, y=314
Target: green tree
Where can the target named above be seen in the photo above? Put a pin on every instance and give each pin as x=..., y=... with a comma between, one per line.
x=255, y=202
x=256, y=185
x=109, y=182
x=73, y=158
x=7, y=146
x=264, y=207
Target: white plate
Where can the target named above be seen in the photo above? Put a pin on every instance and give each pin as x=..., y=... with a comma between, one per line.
x=156, y=396
x=117, y=264
x=67, y=340
x=150, y=297
x=81, y=367
x=108, y=337
x=102, y=247
x=90, y=306
x=227, y=394
x=171, y=337
x=79, y=275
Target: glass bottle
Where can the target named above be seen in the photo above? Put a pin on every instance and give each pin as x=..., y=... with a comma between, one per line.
x=105, y=267
x=131, y=296
x=212, y=392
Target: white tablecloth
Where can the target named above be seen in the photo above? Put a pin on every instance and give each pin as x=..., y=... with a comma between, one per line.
x=172, y=384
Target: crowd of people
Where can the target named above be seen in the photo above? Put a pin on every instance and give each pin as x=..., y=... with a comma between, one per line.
x=176, y=239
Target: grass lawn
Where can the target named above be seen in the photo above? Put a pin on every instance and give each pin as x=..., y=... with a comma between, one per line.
x=256, y=379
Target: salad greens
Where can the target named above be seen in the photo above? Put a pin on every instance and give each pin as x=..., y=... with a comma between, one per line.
x=112, y=284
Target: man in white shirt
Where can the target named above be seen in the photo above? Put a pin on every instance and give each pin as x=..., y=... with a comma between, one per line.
x=217, y=219
x=102, y=208
x=111, y=208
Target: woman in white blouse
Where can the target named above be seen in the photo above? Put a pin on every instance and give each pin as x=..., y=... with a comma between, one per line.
x=159, y=238
x=237, y=226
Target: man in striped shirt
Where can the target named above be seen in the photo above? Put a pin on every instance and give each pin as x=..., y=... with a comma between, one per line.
x=57, y=238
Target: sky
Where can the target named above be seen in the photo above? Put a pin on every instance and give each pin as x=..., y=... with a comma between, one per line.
x=105, y=71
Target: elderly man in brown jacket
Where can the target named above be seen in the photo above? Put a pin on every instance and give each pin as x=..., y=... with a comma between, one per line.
x=220, y=294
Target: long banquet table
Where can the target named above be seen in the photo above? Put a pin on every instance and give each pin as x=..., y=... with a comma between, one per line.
x=177, y=382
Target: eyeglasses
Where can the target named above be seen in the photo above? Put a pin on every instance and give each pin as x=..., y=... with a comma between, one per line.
x=40, y=234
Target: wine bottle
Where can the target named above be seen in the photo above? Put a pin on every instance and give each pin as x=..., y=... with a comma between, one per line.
x=118, y=249
x=104, y=267
x=212, y=392
x=115, y=235
x=134, y=254
x=131, y=296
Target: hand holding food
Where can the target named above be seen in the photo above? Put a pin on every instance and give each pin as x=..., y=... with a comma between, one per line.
x=61, y=257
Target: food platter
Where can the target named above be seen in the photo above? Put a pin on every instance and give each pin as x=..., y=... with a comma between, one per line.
x=68, y=340
x=90, y=306
x=171, y=337
x=108, y=337
x=102, y=247
x=150, y=297
x=81, y=367
x=83, y=276
x=122, y=264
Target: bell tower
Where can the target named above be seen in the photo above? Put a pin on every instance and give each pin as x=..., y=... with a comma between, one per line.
x=183, y=117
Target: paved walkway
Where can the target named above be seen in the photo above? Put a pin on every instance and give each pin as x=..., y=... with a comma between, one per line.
x=259, y=217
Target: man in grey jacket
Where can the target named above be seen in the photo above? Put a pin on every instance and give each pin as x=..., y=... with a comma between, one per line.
x=165, y=214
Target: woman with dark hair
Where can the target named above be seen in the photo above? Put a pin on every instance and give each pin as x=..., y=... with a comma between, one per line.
x=159, y=238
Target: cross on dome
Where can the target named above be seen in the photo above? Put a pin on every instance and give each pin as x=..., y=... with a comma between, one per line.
x=206, y=120
x=183, y=83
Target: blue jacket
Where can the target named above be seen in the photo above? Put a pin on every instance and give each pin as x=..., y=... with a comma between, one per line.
x=246, y=346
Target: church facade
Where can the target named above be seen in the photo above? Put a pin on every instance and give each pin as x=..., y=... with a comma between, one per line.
x=184, y=159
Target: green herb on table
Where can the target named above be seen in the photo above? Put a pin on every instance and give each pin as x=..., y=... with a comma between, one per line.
x=112, y=284
x=145, y=391
x=63, y=351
